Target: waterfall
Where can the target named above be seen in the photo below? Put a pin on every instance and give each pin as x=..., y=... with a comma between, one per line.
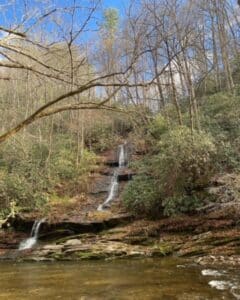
x=121, y=159
x=32, y=240
x=112, y=192
x=114, y=181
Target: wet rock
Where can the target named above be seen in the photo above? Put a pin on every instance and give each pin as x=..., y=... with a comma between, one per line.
x=101, y=186
x=37, y=259
x=18, y=223
x=125, y=174
x=68, y=227
x=53, y=235
x=106, y=171
x=111, y=163
x=218, y=260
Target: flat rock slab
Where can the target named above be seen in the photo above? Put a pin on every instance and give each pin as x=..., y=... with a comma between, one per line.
x=84, y=251
x=54, y=230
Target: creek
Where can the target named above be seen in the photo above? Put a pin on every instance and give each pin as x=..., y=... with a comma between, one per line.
x=166, y=278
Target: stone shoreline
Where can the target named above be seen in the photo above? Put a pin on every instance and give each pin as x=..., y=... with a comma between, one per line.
x=212, y=239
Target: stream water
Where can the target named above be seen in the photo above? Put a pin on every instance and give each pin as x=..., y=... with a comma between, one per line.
x=164, y=279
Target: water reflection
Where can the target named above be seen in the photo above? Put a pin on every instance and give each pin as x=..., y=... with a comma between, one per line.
x=137, y=279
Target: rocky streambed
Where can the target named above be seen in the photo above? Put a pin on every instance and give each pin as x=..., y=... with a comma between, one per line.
x=212, y=239
x=113, y=254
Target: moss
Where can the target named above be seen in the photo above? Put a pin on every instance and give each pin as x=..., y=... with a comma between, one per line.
x=56, y=255
x=78, y=255
x=162, y=249
x=88, y=255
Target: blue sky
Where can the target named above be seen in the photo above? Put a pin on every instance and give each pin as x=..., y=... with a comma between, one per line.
x=119, y=4
x=11, y=15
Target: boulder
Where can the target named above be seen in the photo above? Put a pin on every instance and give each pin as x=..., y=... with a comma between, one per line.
x=73, y=242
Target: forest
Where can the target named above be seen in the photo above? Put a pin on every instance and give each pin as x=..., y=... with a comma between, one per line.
x=121, y=120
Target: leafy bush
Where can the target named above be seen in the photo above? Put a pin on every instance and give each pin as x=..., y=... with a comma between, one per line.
x=228, y=158
x=87, y=162
x=141, y=196
x=100, y=137
x=28, y=174
x=184, y=162
x=180, y=204
x=65, y=165
x=158, y=126
x=221, y=114
x=22, y=191
x=39, y=154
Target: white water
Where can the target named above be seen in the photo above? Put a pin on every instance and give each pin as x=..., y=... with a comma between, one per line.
x=121, y=159
x=112, y=192
x=32, y=240
x=114, y=181
x=222, y=284
x=210, y=272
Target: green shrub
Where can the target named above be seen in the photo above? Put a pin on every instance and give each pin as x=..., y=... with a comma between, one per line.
x=184, y=161
x=88, y=162
x=158, y=126
x=141, y=196
x=221, y=114
x=180, y=204
x=228, y=158
x=39, y=153
x=21, y=190
x=23, y=178
x=65, y=165
x=100, y=137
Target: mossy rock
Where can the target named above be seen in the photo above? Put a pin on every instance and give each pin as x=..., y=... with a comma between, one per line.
x=56, y=255
x=162, y=249
x=88, y=255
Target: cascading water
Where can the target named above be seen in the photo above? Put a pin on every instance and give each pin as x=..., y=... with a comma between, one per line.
x=114, y=181
x=112, y=192
x=32, y=240
x=121, y=160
